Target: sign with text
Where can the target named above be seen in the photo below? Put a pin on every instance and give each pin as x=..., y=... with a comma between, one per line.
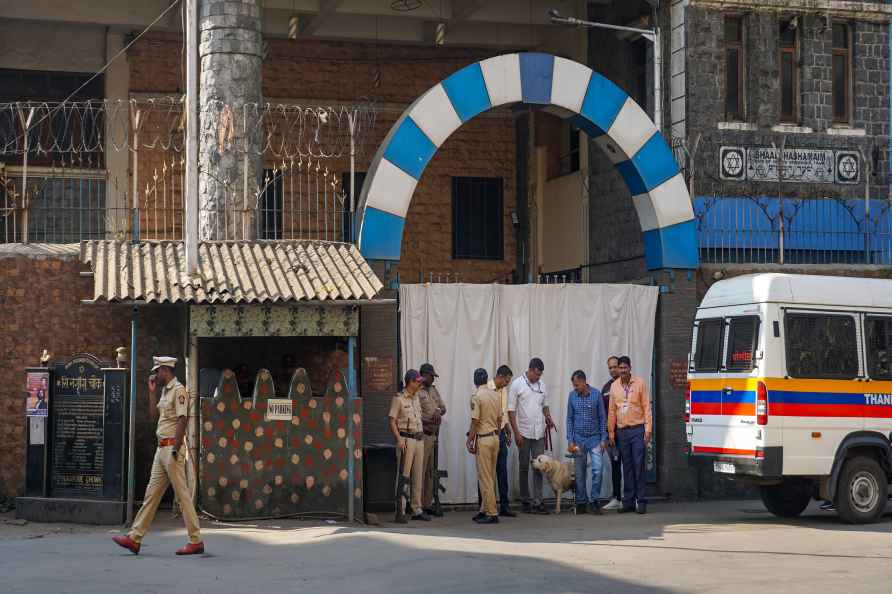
x=805, y=165
x=279, y=409
x=87, y=429
x=378, y=374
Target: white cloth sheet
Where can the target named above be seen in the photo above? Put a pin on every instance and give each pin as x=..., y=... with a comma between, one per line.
x=460, y=327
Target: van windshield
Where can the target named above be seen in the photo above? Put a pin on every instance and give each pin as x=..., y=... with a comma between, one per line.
x=743, y=338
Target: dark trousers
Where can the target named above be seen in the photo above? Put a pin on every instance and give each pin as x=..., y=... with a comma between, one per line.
x=631, y=447
x=617, y=469
x=502, y=470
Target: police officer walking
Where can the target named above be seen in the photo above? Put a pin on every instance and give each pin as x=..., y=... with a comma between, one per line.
x=405, y=424
x=483, y=440
x=169, y=466
x=432, y=411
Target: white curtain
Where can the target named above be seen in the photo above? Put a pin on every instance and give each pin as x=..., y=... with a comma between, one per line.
x=460, y=327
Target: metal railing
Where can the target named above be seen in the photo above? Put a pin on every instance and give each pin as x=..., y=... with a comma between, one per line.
x=90, y=170
x=794, y=231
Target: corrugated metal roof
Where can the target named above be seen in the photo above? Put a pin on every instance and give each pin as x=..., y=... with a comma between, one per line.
x=229, y=272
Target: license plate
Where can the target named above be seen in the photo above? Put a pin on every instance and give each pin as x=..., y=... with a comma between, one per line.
x=724, y=467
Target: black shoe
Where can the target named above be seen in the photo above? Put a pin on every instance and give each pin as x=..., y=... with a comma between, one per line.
x=478, y=515
x=526, y=508
x=581, y=509
x=438, y=512
x=625, y=510
x=429, y=511
x=422, y=517
x=507, y=513
x=641, y=509
x=595, y=508
x=541, y=510
x=487, y=519
x=401, y=519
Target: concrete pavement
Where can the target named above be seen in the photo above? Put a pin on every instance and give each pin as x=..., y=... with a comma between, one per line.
x=715, y=547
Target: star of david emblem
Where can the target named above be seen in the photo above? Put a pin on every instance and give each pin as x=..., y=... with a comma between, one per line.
x=732, y=163
x=847, y=167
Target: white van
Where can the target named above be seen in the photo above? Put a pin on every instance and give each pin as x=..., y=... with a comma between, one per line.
x=790, y=388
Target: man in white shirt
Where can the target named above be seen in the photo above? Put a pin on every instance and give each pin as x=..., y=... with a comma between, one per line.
x=530, y=417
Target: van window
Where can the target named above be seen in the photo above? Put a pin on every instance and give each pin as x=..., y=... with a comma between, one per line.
x=743, y=337
x=821, y=346
x=879, y=343
x=709, y=344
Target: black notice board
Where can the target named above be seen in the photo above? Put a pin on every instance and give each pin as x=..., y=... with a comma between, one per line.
x=88, y=421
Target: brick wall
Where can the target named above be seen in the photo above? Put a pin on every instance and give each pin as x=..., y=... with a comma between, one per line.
x=41, y=309
x=346, y=72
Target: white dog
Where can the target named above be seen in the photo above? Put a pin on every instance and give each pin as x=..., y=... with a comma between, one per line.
x=559, y=475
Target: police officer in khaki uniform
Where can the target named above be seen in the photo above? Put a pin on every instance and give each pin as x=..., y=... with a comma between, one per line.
x=432, y=411
x=405, y=424
x=169, y=466
x=483, y=440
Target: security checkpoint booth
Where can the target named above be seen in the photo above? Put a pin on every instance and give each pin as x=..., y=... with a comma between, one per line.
x=269, y=332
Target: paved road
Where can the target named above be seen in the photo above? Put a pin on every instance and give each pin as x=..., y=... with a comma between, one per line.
x=714, y=547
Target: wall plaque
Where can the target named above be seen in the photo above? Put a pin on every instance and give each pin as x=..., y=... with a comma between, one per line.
x=378, y=374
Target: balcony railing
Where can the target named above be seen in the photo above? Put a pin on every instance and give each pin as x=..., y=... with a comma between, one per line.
x=794, y=231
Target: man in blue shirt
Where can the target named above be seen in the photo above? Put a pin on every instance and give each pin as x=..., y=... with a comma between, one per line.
x=587, y=437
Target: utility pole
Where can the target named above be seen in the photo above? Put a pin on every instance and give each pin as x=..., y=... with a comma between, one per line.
x=652, y=35
x=191, y=190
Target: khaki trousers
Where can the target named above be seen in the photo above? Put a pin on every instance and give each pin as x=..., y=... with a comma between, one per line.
x=487, y=456
x=166, y=471
x=430, y=473
x=413, y=468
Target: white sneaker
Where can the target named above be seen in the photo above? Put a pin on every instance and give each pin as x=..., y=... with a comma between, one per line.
x=613, y=504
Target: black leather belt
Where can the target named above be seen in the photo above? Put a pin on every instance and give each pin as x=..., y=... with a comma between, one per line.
x=631, y=427
x=408, y=435
x=431, y=433
x=491, y=433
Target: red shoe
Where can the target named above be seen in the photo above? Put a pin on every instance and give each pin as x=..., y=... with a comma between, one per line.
x=192, y=549
x=128, y=543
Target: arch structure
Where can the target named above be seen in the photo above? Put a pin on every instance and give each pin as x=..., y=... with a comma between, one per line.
x=596, y=105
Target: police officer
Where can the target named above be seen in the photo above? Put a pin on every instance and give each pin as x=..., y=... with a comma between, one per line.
x=169, y=466
x=432, y=411
x=405, y=424
x=483, y=440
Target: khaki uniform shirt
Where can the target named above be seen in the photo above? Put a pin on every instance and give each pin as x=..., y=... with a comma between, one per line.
x=431, y=401
x=406, y=410
x=174, y=403
x=486, y=409
x=503, y=396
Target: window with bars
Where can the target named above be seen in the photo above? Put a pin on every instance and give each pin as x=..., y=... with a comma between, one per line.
x=789, y=73
x=734, y=68
x=743, y=336
x=879, y=345
x=477, y=218
x=710, y=337
x=821, y=346
x=271, y=215
x=842, y=73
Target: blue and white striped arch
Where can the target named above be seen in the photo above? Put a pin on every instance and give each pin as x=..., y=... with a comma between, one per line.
x=618, y=124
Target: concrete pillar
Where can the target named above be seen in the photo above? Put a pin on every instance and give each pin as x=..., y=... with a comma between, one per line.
x=117, y=161
x=230, y=165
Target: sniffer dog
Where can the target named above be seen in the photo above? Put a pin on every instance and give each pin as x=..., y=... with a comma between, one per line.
x=559, y=475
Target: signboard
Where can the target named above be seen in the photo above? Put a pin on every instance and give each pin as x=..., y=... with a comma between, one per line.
x=78, y=428
x=678, y=374
x=378, y=374
x=814, y=166
x=37, y=383
x=278, y=409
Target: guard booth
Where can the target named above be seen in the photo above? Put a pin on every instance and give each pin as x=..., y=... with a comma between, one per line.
x=270, y=332
x=76, y=442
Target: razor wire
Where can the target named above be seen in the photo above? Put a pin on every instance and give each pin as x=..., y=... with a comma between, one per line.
x=285, y=130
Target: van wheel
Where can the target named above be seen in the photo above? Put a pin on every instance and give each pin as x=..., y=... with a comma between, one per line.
x=861, y=494
x=788, y=499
